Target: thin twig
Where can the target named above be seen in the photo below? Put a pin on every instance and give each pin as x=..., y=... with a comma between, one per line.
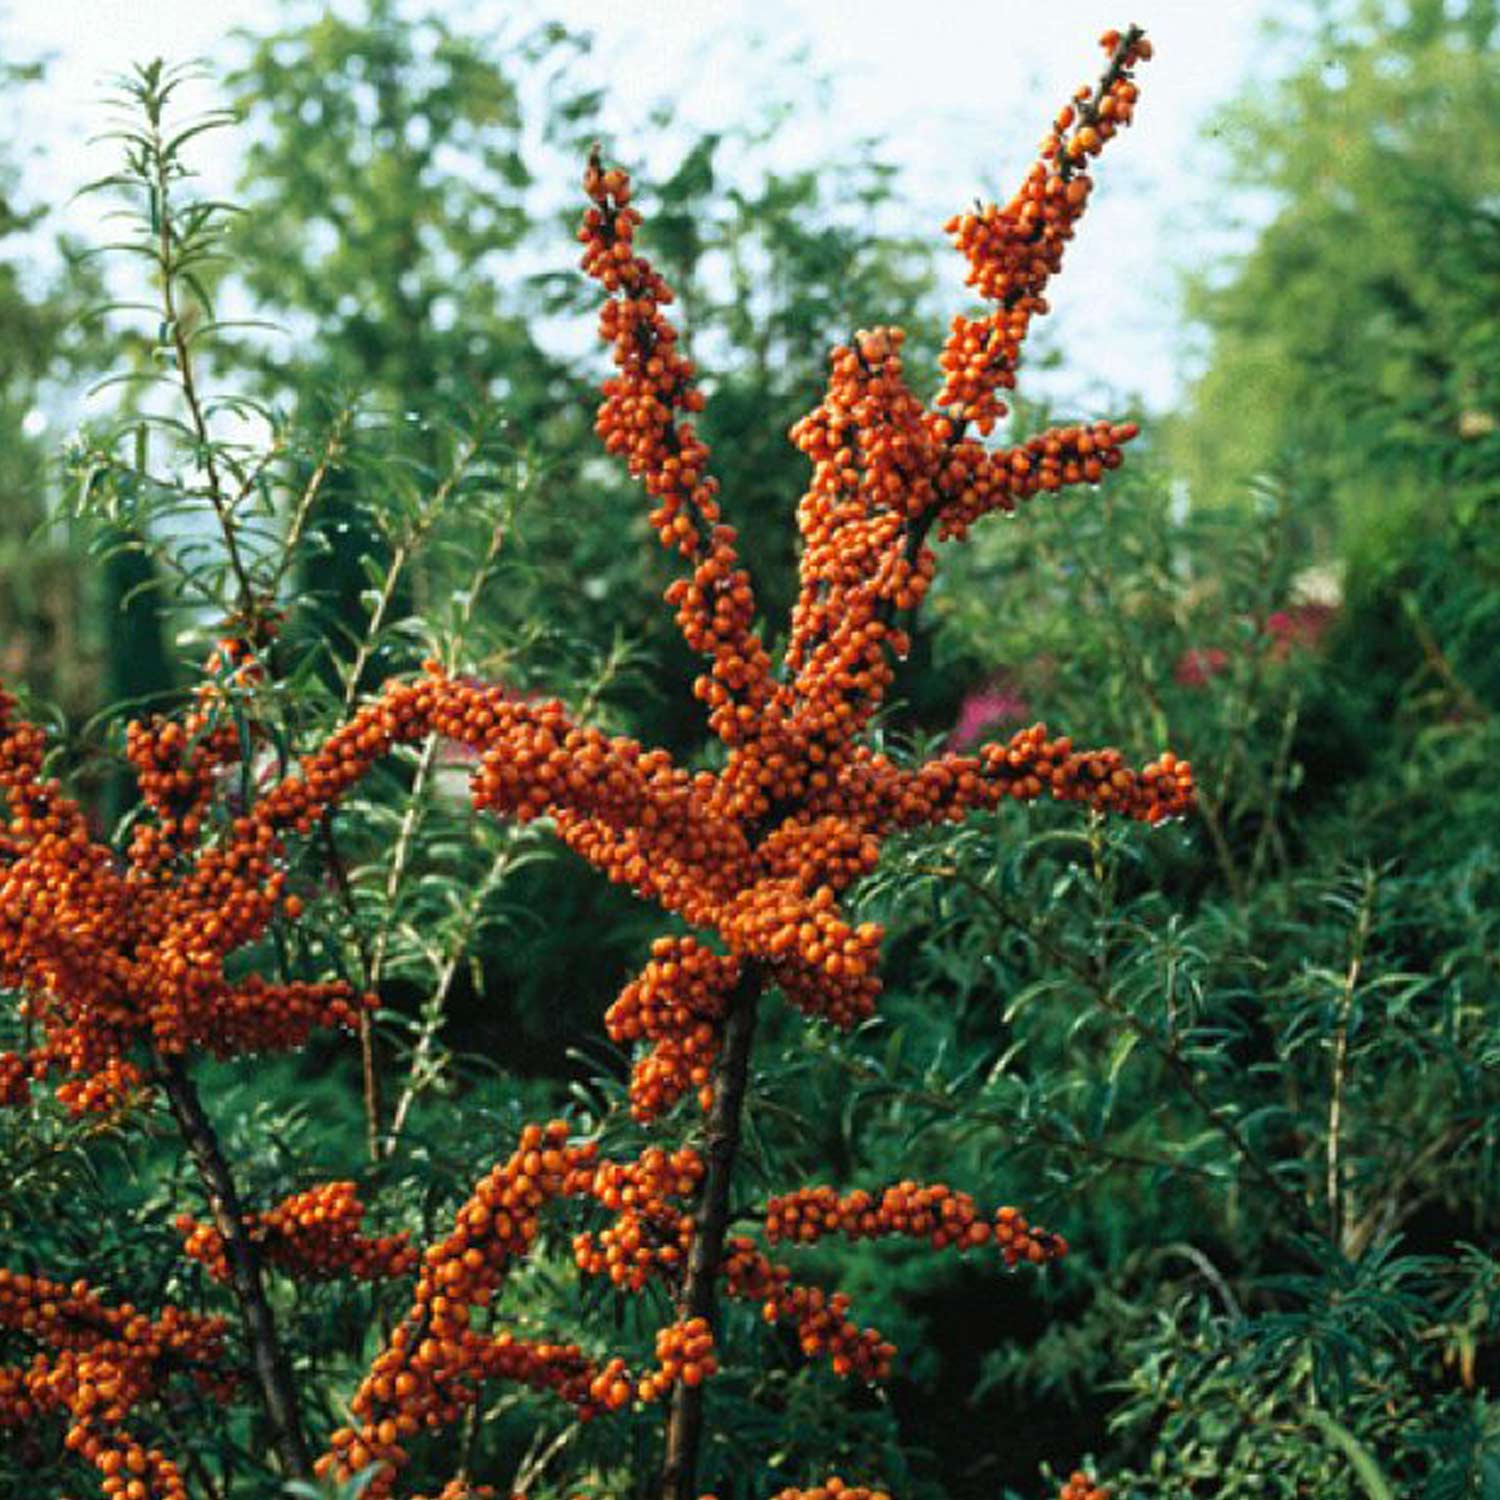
x=1039, y=1130
x=1386, y=1214
x=297, y=523
x=401, y=555
x=1211, y=1273
x=535, y=1462
x=1437, y=659
x=374, y=961
x=1339, y=1069
x=223, y=509
x=1268, y=829
x=412, y=813
x=370, y=1081
x=433, y=1016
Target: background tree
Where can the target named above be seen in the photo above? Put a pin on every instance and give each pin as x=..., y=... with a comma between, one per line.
x=1354, y=351
x=43, y=352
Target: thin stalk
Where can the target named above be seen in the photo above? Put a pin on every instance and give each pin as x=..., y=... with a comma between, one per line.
x=1461, y=694
x=374, y=962
x=1210, y=1272
x=167, y=261
x=1393, y=1208
x=297, y=523
x=1269, y=833
x=1048, y=1135
x=395, y=876
x=272, y=1372
x=1339, y=1070
x=537, y=1457
x=432, y=1018
x=679, y=1474
x=370, y=1072
x=412, y=814
x=404, y=550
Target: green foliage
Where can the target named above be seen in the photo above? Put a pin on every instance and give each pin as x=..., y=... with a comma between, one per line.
x=1252, y=1061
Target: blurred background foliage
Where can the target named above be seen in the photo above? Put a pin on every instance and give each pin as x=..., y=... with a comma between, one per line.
x=1247, y=1066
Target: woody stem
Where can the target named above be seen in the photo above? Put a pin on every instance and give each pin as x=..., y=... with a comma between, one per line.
x=730, y=1080
x=272, y=1372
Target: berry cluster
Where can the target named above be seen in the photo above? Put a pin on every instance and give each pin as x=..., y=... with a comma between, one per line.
x=96, y=1363
x=1080, y=1486
x=108, y=1091
x=313, y=1234
x=650, y=1235
x=15, y=1079
x=833, y=1488
x=1013, y=252
x=685, y=1353
x=436, y=1360
x=177, y=763
x=820, y=1318
x=716, y=607
x=675, y=1005
x=935, y=1213
x=1025, y=767
x=109, y=954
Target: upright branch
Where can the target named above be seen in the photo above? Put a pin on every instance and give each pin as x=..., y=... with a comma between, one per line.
x=181, y=248
x=731, y=1078
x=715, y=603
x=242, y=1257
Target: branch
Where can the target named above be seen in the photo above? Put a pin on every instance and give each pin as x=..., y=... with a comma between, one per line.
x=731, y=1075
x=223, y=507
x=272, y=1372
x=297, y=524
x=368, y=1062
x=1039, y=1130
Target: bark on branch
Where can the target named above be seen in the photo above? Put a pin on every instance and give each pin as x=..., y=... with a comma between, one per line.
x=731, y=1076
x=272, y=1373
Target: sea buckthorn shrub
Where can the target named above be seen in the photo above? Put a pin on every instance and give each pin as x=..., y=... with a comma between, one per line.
x=352, y=1330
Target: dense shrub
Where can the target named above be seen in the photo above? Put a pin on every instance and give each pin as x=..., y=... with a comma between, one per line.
x=299, y=947
x=249, y=903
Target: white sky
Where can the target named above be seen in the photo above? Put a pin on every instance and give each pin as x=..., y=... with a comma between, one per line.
x=960, y=89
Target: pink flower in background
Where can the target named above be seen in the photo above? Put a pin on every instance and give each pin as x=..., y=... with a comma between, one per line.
x=1198, y=663
x=1301, y=627
x=998, y=701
